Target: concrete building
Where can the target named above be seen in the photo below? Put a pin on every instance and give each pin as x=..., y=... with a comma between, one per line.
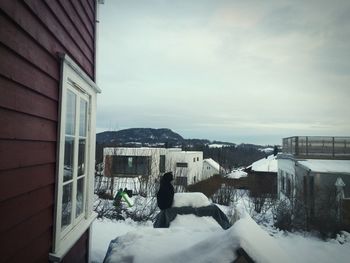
x=314, y=172
x=153, y=162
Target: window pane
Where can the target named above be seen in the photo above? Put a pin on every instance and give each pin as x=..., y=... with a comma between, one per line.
x=70, y=115
x=66, y=205
x=68, y=158
x=81, y=157
x=80, y=197
x=83, y=114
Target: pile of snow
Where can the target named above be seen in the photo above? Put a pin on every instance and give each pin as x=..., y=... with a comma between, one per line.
x=190, y=199
x=268, y=164
x=103, y=231
x=193, y=239
x=185, y=241
x=197, y=223
x=237, y=173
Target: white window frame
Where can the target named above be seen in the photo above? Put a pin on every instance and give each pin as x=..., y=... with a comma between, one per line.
x=74, y=79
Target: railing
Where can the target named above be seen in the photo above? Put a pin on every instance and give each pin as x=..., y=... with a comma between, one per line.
x=317, y=146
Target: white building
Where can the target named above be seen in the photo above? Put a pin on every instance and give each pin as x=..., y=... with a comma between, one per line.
x=210, y=168
x=153, y=162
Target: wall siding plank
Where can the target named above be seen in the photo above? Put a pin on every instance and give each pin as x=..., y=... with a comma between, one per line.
x=91, y=4
x=88, y=10
x=15, y=125
x=79, y=253
x=21, y=99
x=26, y=206
x=15, y=68
x=70, y=11
x=31, y=24
x=18, y=154
x=24, y=45
x=78, y=36
x=83, y=17
x=68, y=6
x=16, y=182
x=32, y=228
x=45, y=15
x=35, y=251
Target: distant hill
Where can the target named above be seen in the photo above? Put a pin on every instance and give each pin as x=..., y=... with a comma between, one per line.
x=149, y=137
x=140, y=136
x=226, y=153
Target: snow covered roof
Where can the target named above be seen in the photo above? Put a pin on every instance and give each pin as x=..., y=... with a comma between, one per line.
x=212, y=163
x=237, y=173
x=268, y=164
x=327, y=166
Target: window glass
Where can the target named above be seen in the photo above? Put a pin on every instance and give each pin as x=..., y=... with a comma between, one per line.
x=129, y=162
x=83, y=115
x=70, y=113
x=80, y=197
x=162, y=163
x=66, y=205
x=81, y=157
x=68, y=158
x=181, y=165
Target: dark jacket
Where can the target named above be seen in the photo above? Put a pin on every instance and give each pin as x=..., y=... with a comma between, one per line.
x=165, y=195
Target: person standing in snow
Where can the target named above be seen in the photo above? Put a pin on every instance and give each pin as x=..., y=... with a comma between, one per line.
x=165, y=195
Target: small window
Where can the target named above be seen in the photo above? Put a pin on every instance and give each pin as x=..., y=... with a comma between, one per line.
x=162, y=163
x=130, y=162
x=181, y=165
x=194, y=159
x=197, y=159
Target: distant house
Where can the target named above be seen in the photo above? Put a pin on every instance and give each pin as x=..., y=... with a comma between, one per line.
x=314, y=171
x=47, y=135
x=210, y=168
x=153, y=162
x=262, y=176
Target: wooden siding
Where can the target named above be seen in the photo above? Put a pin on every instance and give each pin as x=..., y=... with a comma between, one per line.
x=79, y=252
x=32, y=33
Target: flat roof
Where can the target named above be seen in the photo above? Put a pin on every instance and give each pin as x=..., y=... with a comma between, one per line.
x=327, y=166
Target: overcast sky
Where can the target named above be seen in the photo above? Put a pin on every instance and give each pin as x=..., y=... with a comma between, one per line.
x=238, y=71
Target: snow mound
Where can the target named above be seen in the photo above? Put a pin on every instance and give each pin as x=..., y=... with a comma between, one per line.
x=188, y=243
x=237, y=173
x=190, y=199
x=203, y=223
x=258, y=244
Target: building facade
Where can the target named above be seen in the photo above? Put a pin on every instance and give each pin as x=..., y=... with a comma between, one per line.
x=210, y=168
x=152, y=163
x=314, y=172
x=47, y=135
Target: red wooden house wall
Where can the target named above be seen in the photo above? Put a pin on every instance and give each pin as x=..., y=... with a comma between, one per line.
x=32, y=32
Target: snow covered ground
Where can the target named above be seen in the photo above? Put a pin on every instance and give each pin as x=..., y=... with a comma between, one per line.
x=193, y=239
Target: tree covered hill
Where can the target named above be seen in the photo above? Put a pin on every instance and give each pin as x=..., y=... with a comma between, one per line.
x=229, y=155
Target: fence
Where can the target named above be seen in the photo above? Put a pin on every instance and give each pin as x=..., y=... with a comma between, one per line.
x=317, y=146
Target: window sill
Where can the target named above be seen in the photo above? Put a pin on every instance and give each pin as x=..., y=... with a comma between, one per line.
x=71, y=238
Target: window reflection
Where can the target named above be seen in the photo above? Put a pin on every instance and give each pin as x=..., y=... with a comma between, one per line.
x=80, y=197
x=83, y=115
x=81, y=157
x=70, y=115
x=68, y=158
x=66, y=205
